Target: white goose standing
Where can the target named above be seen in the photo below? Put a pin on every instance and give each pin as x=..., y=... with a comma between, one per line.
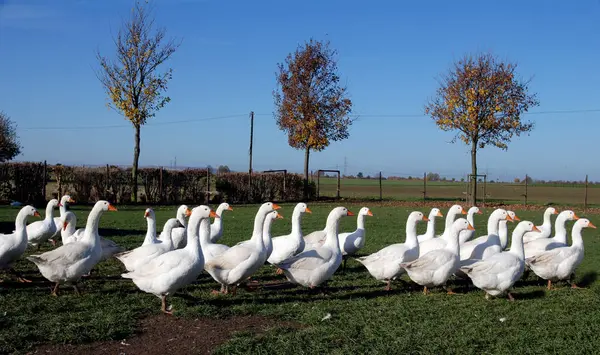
x=430, y=232
x=69, y=262
x=498, y=273
x=286, y=246
x=13, y=245
x=170, y=271
x=58, y=221
x=178, y=235
x=467, y=235
x=313, y=267
x=150, y=237
x=540, y=245
x=545, y=230
x=216, y=228
x=240, y=261
x=442, y=240
x=384, y=265
x=560, y=263
x=40, y=231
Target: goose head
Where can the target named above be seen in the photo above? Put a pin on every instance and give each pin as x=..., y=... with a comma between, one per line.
x=302, y=208
x=524, y=227
x=461, y=224
x=104, y=206
x=183, y=211
x=274, y=215
x=54, y=203
x=269, y=206
x=457, y=209
x=513, y=216
x=501, y=215
x=202, y=212
x=551, y=210
x=69, y=217
x=568, y=215
x=29, y=211
x=65, y=199
x=224, y=207
x=435, y=212
x=365, y=211
x=584, y=223
x=149, y=213
x=416, y=216
x=474, y=210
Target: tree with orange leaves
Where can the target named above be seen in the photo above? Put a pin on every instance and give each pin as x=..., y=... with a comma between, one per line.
x=132, y=81
x=311, y=105
x=482, y=100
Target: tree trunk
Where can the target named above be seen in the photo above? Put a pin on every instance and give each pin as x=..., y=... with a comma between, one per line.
x=474, y=174
x=134, y=170
x=306, y=157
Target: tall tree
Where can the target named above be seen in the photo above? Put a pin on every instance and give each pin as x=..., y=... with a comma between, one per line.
x=9, y=142
x=312, y=106
x=482, y=99
x=132, y=80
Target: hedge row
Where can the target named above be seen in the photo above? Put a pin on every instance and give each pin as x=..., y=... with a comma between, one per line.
x=24, y=182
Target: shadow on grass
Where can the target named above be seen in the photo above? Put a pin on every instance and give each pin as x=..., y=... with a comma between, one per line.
x=529, y=295
x=588, y=279
x=113, y=232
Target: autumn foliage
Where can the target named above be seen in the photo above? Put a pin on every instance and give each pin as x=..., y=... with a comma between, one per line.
x=482, y=100
x=312, y=106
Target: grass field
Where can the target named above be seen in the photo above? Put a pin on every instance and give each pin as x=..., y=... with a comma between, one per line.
x=438, y=190
x=364, y=318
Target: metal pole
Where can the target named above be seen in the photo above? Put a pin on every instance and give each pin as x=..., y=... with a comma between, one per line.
x=380, y=188
x=526, y=182
x=424, y=186
x=338, y=186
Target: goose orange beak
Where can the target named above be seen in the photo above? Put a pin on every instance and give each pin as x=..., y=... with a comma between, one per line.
x=188, y=212
x=425, y=219
x=65, y=224
x=279, y=216
x=575, y=216
x=60, y=204
x=509, y=218
x=36, y=214
x=349, y=213
x=308, y=210
x=591, y=225
x=470, y=227
x=146, y=214
x=112, y=208
x=535, y=229
x=229, y=208
x=439, y=214
x=370, y=213
x=463, y=211
x=213, y=214
x=276, y=206
x=555, y=211
x=517, y=218
x=71, y=200
x=479, y=212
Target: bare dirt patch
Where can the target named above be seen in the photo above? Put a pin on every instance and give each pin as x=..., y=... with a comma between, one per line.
x=172, y=335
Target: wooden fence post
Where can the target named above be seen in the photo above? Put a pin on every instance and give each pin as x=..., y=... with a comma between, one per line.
x=424, y=186
x=207, y=186
x=338, y=186
x=45, y=180
x=585, y=196
x=526, y=182
x=380, y=188
x=318, y=183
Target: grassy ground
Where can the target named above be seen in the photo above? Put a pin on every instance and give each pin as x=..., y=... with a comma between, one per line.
x=438, y=190
x=364, y=318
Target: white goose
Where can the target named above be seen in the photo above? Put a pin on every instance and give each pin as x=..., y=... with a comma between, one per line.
x=384, y=265
x=352, y=242
x=150, y=237
x=286, y=246
x=109, y=247
x=434, y=268
x=178, y=235
x=58, y=221
x=266, y=234
x=489, y=244
x=170, y=271
x=216, y=228
x=442, y=240
x=69, y=262
x=545, y=230
x=313, y=267
x=240, y=261
x=560, y=237
x=136, y=258
x=13, y=245
x=560, y=263
x=498, y=273
x=430, y=232
x=503, y=229
x=40, y=231
x=68, y=227
x=467, y=235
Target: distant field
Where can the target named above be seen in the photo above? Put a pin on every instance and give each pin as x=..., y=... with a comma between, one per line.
x=506, y=192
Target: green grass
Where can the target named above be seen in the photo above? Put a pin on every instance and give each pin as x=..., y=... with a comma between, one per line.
x=440, y=190
x=364, y=318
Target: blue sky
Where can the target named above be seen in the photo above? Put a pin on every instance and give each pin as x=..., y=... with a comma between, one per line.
x=390, y=53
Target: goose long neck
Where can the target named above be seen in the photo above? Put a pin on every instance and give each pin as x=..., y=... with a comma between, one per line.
x=219, y=220
x=470, y=218
x=182, y=220
x=267, y=229
x=360, y=221
x=62, y=209
x=516, y=245
x=257, y=233
x=202, y=232
x=449, y=220
x=21, y=222
x=91, y=226
x=576, y=236
x=168, y=232
x=547, y=221
x=411, y=233
x=192, y=238
x=296, y=223
x=493, y=224
x=430, y=226
x=452, y=244
x=561, y=229
x=49, y=212
x=151, y=232
x=503, y=233
x=331, y=230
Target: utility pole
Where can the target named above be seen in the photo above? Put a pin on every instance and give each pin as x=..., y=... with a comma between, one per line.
x=251, y=138
x=345, y=166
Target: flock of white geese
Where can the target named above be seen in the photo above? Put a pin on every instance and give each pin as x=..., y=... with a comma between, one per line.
x=186, y=247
